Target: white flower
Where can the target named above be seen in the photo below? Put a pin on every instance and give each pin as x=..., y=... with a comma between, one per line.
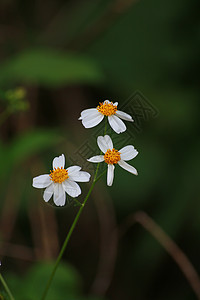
x=61, y=180
x=93, y=116
x=112, y=157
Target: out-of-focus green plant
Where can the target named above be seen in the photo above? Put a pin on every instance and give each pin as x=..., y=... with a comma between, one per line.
x=14, y=100
x=47, y=67
x=67, y=283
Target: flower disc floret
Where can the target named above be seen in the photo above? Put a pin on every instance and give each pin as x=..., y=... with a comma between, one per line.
x=58, y=175
x=107, y=109
x=112, y=156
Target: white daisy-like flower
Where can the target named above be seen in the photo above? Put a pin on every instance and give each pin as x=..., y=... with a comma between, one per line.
x=112, y=157
x=93, y=116
x=61, y=181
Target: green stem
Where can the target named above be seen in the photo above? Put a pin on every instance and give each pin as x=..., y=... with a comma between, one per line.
x=73, y=226
x=69, y=235
x=95, y=176
x=6, y=288
x=106, y=119
x=77, y=202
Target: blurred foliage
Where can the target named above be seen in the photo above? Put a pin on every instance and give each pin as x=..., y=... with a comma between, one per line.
x=15, y=99
x=51, y=68
x=23, y=147
x=66, y=284
x=68, y=56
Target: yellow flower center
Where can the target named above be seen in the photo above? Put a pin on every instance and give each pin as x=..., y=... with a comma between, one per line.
x=107, y=109
x=112, y=156
x=58, y=175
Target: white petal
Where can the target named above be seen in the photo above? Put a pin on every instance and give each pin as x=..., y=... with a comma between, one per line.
x=128, y=152
x=48, y=192
x=87, y=112
x=59, y=162
x=127, y=167
x=124, y=115
x=110, y=174
x=117, y=125
x=110, y=102
x=81, y=176
x=107, y=101
x=96, y=159
x=59, y=196
x=104, y=143
x=41, y=181
x=92, y=119
x=73, y=170
x=71, y=188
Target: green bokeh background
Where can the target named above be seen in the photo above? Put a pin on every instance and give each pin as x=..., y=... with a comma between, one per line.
x=69, y=56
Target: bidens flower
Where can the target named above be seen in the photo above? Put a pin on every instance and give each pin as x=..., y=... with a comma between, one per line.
x=112, y=157
x=61, y=180
x=93, y=116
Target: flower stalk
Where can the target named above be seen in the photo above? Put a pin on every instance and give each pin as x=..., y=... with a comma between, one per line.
x=62, y=177
x=6, y=287
x=69, y=234
x=73, y=226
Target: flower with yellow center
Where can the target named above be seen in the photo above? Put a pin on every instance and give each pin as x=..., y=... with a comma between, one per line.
x=93, y=116
x=113, y=157
x=61, y=181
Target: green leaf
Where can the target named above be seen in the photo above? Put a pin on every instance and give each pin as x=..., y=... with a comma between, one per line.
x=50, y=67
x=24, y=146
x=66, y=283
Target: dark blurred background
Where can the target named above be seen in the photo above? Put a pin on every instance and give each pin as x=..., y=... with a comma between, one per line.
x=58, y=58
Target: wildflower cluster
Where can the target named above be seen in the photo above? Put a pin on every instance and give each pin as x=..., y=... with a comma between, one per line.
x=61, y=181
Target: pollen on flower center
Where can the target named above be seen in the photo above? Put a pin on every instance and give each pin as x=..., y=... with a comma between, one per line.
x=107, y=109
x=112, y=156
x=58, y=175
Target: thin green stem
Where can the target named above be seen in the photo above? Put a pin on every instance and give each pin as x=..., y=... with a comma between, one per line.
x=69, y=235
x=95, y=175
x=100, y=175
x=77, y=202
x=105, y=129
x=106, y=119
x=6, y=287
x=73, y=226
